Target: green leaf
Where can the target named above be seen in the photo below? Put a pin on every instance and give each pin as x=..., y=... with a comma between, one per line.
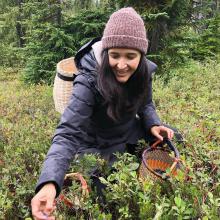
x=178, y=201
x=103, y=180
x=133, y=166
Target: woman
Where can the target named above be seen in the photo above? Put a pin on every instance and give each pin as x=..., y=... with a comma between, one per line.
x=111, y=105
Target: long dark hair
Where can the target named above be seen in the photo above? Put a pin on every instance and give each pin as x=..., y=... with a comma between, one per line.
x=122, y=98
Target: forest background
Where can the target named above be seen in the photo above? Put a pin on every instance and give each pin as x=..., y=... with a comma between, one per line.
x=184, y=37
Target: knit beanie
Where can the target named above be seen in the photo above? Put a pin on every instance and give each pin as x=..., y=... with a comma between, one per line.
x=125, y=28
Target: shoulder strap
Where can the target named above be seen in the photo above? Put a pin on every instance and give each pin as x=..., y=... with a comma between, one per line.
x=85, y=49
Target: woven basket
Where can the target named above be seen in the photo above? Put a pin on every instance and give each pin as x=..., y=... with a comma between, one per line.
x=157, y=159
x=68, y=200
x=63, y=83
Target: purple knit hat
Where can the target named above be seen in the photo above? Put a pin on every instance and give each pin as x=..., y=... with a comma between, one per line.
x=125, y=28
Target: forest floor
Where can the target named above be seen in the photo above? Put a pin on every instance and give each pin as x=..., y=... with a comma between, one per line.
x=189, y=101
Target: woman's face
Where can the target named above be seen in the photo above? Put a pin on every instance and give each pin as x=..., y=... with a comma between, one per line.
x=123, y=62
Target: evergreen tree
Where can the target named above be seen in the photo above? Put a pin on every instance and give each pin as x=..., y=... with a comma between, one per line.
x=44, y=32
x=11, y=31
x=46, y=42
x=160, y=16
x=86, y=25
x=208, y=44
x=49, y=43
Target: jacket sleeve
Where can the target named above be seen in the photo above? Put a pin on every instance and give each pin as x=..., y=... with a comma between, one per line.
x=147, y=113
x=71, y=136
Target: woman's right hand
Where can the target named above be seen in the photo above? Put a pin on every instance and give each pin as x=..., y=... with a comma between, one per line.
x=42, y=203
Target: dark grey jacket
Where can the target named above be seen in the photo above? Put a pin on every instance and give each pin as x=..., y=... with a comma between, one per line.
x=85, y=126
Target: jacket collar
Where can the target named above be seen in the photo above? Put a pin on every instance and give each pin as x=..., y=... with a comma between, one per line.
x=84, y=58
x=97, y=49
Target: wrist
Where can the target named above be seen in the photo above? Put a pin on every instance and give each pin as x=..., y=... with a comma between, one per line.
x=152, y=127
x=50, y=185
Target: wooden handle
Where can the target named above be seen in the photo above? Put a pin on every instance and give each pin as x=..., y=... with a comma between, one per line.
x=156, y=143
x=84, y=186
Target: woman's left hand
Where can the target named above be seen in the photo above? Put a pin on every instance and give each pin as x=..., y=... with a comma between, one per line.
x=162, y=131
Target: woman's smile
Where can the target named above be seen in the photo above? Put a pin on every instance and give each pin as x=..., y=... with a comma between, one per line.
x=122, y=72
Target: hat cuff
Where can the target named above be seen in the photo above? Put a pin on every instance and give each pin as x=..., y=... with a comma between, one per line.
x=125, y=42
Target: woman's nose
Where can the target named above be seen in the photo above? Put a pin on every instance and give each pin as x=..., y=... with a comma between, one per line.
x=121, y=64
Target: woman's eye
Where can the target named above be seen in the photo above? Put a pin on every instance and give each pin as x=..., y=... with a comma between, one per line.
x=114, y=56
x=130, y=57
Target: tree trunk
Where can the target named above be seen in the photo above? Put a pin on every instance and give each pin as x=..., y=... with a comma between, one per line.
x=59, y=13
x=19, y=28
x=160, y=29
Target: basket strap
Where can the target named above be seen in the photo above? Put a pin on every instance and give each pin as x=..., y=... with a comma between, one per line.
x=66, y=78
x=172, y=147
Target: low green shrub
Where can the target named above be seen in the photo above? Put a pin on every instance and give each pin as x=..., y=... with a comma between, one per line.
x=27, y=122
x=189, y=102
